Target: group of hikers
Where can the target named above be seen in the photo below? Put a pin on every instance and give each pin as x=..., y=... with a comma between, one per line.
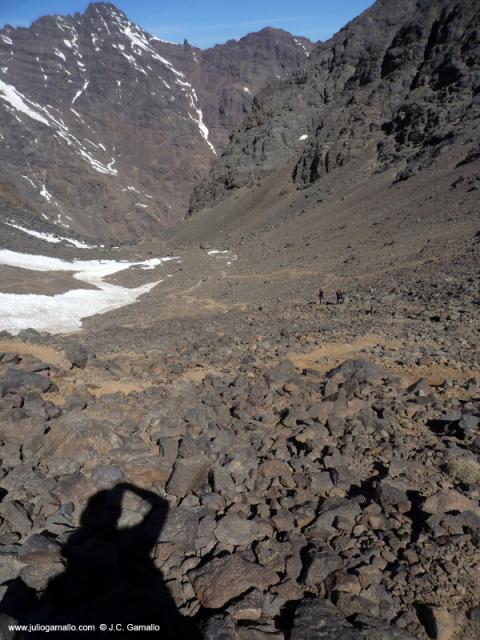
x=340, y=296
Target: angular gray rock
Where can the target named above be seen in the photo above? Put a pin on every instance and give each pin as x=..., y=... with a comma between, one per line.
x=77, y=354
x=222, y=579
x=19, y=381
x=188, y=474
x=318, y=618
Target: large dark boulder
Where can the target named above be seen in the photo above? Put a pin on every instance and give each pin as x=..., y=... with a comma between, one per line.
x=361, y=370
x=19, y=381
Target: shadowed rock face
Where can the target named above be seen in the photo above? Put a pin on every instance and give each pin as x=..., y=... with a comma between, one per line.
x=106, y=128
x=393, y=88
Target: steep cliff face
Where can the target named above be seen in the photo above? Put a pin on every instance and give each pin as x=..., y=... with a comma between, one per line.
x=394, y=87
x=232, y=73
x=105, y=128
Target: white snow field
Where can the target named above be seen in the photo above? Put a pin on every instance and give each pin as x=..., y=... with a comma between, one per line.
x=63, y=313
x=231, y=257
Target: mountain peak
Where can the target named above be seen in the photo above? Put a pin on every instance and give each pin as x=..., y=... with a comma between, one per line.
x=272, y=32
x=105, y=9
x=119, y=125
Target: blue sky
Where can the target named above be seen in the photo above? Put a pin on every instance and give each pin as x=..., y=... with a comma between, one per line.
x=207, y=22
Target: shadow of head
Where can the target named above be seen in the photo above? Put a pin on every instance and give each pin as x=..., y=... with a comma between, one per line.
x=102, y=517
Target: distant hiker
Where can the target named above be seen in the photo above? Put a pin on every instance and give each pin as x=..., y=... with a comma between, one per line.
x=321, y=296
x=340, y=297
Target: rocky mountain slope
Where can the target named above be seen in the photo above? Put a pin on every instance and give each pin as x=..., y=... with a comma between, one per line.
x=105, y=129
x=232, y=461
x=396, y=87
x=232, y=457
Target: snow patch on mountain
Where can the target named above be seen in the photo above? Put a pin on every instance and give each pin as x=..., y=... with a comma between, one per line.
x=59, y=54
x=52, y=238
x=300, y=44
x=30, y=181
x=80, y=91
x=197, y=117
x=9, y=94
x=20, y=103
x=46, y=194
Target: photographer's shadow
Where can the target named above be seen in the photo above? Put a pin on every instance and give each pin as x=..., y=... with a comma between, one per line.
x=110, y=578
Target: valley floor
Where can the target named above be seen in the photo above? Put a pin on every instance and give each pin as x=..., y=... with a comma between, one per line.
x=283, y=468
